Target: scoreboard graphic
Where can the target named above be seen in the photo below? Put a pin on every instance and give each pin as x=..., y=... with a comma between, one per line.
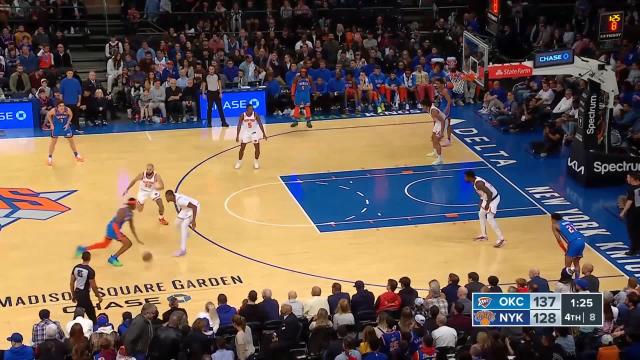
x=536, y=309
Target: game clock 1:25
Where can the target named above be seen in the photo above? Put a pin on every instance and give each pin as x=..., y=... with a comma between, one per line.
x=581, y=303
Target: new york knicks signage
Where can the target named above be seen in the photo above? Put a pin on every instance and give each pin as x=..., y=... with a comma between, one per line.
x=16, y=114
x=235, y=103
x=553, y=58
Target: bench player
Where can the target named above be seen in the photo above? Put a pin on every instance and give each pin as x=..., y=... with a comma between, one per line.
x=439, y=129
x=188, y=208
x=250, y=129
x=59, y=120
x=489, y=200
x=150, y=185
x=571, y=241
x=114, y=232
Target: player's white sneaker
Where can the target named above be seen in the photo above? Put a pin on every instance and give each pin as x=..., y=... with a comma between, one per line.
x=500, y=243
x=445, y=142
x=180, y=253
x=256, y=164
x=480, y=238
x=238, y=164
x=432, y=154
x=438, y=161
x=50, y=161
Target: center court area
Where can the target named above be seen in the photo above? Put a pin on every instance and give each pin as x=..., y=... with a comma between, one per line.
x=348, y=200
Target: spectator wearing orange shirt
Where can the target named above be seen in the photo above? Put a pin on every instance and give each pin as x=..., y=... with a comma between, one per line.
x=389, y=301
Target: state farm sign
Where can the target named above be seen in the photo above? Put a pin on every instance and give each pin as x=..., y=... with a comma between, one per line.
x=505, y=71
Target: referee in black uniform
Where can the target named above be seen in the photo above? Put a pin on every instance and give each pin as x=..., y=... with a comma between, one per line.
x=212, y=86
x=631, y=213
x=83, y=278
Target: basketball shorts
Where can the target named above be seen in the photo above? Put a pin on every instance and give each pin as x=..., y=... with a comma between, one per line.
x=575, y=248
x=250, y=137
x=493, y=205
x=144, y=195
x=302, y=98
x=350, y=93
x=59, y=130
x=111, y=232
x=437, y=128
x=187, y=213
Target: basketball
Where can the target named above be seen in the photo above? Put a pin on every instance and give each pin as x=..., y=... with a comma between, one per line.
x=147, y=256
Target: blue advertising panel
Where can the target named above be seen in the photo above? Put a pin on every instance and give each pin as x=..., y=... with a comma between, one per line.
x=16, y=115
x=553, y=58
x=234, y=103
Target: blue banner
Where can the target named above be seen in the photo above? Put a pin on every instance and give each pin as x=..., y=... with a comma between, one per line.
x=16, y=115
x=235, y=103
x=499, y=301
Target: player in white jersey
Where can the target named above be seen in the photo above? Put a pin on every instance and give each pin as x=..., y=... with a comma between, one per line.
x=249, y=130
x=150, y=185
x=489, y=200
x=188, y=209
x=439, y=129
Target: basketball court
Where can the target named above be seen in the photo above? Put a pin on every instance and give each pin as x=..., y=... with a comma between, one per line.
x=350, y=199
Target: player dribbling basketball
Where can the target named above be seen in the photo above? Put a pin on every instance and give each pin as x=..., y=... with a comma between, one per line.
x=489, y=200
x=249, y=130
x=439, y=129
x=150, y=185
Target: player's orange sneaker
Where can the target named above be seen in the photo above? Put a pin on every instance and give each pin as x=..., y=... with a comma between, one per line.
x=163, y=221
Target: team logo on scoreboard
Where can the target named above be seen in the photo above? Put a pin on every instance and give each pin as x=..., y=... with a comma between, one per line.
x=485, y=317
x=23, y=203
x=484, y=302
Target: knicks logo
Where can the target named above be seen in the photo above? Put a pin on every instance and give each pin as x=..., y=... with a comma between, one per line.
x=485, y=317
x=484, y=302
x=22, y=203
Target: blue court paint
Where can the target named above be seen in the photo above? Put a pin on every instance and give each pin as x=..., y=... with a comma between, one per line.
x=545, y=181
x=418, y=195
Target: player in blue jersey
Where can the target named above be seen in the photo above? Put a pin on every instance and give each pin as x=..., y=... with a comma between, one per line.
x=59, y=120
x=301, y=90
x=570, y=240
x=379, y=82
x=443, y=99
x=114, y=232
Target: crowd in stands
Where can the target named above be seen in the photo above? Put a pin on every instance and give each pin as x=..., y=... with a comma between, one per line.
x=397, y=325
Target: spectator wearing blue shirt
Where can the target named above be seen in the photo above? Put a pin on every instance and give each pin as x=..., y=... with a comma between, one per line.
x=269, y=306
x=336, y=90
x=144, y=48
x=494, y=98
x=274, y=100
x=437, y=72
x=18, y=351
x=71, y=91
x=320, y=98
x=230, y=71
x=338, y=69
x=225, y=312
x=336, y=295
x=291, y=74
x=171, y=71
x=28, y=60
x=536, y=282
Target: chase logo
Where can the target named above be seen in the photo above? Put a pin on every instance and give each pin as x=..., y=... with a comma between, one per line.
x=22, y=203
x=553, y=58
x=239, y=104
x=484, y=302
x=182, y=298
